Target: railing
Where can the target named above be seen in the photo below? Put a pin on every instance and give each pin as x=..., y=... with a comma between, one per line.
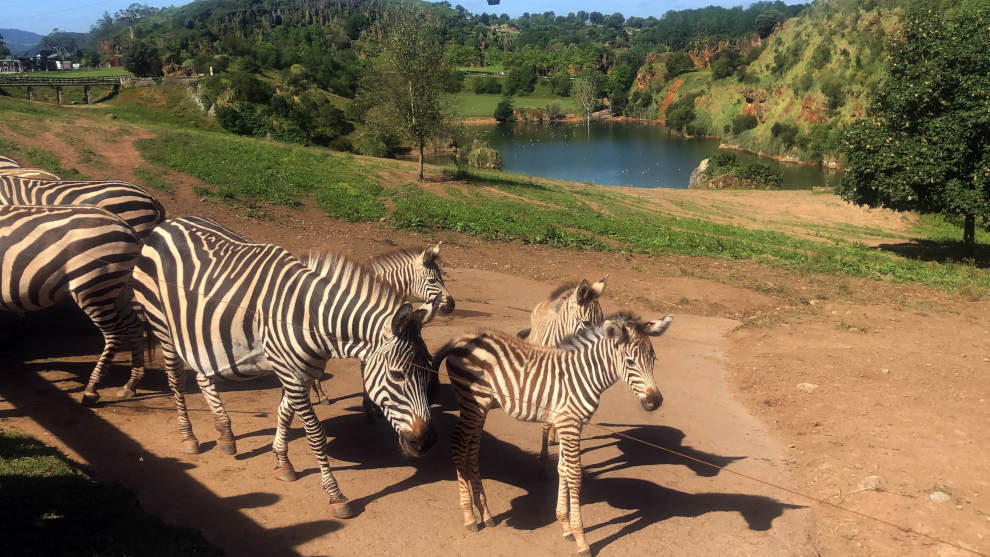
x=25, y=80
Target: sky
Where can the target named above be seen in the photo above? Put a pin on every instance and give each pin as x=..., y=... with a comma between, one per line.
x=78, y=15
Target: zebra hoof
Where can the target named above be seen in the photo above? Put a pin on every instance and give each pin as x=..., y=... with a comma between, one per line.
x=341, y=510
x=285, y=473
x=568, y=536
x=90, y=399
x=227, y=447
x=586, y=552
x=190, y=446
x=490, y=523
x=125, y=393
x=471, y=527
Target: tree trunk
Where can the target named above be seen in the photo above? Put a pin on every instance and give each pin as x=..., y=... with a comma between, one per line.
x=421, y=160
x=969, y=231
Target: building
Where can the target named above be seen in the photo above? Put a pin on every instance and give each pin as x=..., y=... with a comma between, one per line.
x=11, y=65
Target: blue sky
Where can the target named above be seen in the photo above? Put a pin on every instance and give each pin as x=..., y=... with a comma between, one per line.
x=78, y=15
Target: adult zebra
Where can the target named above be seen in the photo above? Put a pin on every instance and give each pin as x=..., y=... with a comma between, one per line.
x=50, y=253
x=549, y=385
x=30, y=173
x=7, y=162
x=417, y=276
x=569, y=309
x=234, y=309
x=132, y=203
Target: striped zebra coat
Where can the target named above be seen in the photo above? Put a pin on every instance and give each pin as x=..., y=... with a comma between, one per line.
x=417, y=276
x=569, y=309
x=51, y=253
x=30, y=173
x=561, y=386
x=137, y=207
x=233, y=309
x=7, y=162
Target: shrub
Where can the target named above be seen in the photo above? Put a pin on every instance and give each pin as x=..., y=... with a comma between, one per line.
x=743, y=122
x=248, y=88
x=503, y=112
x=142, y=59
x=832, y=89
x=678, y=63
x=555, y=111
x=521, y=79
x=786, y=133
x=487, y=86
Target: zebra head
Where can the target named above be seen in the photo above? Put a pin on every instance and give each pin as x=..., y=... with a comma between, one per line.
x=635, y=351
x=427, y=282
x=397, y=377
x=581, y=310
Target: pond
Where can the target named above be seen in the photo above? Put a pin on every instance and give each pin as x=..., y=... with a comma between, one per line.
x=621, y=154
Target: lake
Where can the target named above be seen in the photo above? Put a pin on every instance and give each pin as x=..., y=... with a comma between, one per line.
x=620, y=154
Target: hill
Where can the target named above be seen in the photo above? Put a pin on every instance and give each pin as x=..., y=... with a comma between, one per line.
x=20, y=43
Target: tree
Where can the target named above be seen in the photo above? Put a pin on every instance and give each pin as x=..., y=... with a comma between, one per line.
x=767, y=20
x=521, y=80
x=925, y=144
x=585, y=93
x=504, y=112
x=407, y=84
x=4, y=51
x=142, y=60
x=597, y=18
x=61, y=43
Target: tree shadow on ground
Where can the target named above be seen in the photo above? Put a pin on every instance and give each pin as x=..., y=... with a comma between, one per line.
x=944, y=251
x=637, y=453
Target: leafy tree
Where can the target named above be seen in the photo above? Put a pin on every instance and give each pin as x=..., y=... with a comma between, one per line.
x=521, y=80
x=4, y=51
x=596, y=18
x=248, y=88
x=619, y=81
x=142, y=59
x=678, y=63
x=407, y=86
x=743, y=122
x=925, y=145
x=615, y=20
x=585, y=93
x=767, y=20
x=504, y=112
x=725, y=63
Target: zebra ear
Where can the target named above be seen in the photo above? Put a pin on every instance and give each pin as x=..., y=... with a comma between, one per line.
x=427, y=311
x=615, y=332
x=656, y=328
x=402, y=318
x=598, y=288
x=430, y=254
x=582, y=293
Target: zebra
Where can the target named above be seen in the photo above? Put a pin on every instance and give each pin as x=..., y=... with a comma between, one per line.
x=417, y=276
x=7, y=162
x=233, y=309
x=569, y=309
x=32, y=173
x=132, y=203
x=50, y=253
x=562, y=386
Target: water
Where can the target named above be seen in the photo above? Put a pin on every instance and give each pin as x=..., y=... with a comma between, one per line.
x=620, y=154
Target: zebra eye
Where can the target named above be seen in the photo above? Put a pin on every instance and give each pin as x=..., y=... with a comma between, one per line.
x=586, y=324
x=396, y=374
x=630, y=362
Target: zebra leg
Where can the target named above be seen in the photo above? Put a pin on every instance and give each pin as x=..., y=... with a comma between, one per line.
x=114, y=338
x=544, y=452
x=318, y=444
x=570, y=467
x=221, y=419
x=459, y=444
x=136, y=332
x=480, y=499
x=321, y=397
x=283, y=468
x=177, y=382
x=465, y=445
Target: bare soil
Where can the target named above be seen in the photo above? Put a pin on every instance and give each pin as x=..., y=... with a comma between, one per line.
x=898, y=379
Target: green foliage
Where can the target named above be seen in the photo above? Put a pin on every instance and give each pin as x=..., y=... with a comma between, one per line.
x=725, y=162
x=678, y=63
x=786, y=133
x=786, y=58
x=822, y=55
x=60, y=511
x=926, y=143
x=142, y=59
x=248, y=88
x=152, y=178
x=835, y=93
x=503, y=112
x=351, y=202
x=560, y=84
x=743, y=122
x=520, y=80
x=681, y=113
x=725, y=63
x=767, y=20
x=486, y=85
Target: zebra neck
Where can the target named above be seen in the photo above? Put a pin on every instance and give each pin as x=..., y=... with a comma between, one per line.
x=599, y=367
x=399, y=274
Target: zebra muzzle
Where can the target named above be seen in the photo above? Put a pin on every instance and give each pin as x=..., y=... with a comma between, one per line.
x=652, y=400
x=418, y=440
x=448, y=305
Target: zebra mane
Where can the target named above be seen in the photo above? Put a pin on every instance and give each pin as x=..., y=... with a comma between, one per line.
x=325, y=263
x=591, y=335
x=382, y=258
x=560, y=289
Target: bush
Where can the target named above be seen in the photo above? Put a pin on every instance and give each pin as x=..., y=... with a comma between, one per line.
x=678, y=63
x=520, y=80
x=560, y=84
x=555, y=111
x=679, y=117
x=832, y=89
x=487, y=86
x=142, y=59
x=786, y=133
x=822, y=55
x=504, y=112
x=248, y=88
x=725, y=63
x=743, y=122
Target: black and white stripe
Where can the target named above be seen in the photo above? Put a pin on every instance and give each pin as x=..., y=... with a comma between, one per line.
x=30, y=173
x=7, y=162
x=560, y=386
x=50, y=253
x=233, y=309
x=132, y=203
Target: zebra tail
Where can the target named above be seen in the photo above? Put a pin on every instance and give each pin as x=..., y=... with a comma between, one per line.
x=442, y=354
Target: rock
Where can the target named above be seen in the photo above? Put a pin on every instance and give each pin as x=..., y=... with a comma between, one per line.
x=873, y=483
x=111, y=116
x=940, y=496
x=807, y=387
x=699, y=180
x=884, y=371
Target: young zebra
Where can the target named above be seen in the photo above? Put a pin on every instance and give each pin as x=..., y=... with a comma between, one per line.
x=30, y=173
x=137, y=207
x=569, y=309
x=234, y=310
x=6, y=162
x=549, y=385
x=48, y=254
x=417, y=276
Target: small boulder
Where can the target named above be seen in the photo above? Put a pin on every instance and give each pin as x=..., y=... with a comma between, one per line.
x=940, y=496
x=807, y=387
x=873, y=483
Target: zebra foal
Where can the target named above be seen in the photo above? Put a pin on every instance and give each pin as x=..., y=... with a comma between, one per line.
x=233, y=309
x=50, y=253
x=132, y=203
x=561, y=386
x=569, y=309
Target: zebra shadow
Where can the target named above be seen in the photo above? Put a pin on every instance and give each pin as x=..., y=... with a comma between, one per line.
x=635, y=453
x=57, y=332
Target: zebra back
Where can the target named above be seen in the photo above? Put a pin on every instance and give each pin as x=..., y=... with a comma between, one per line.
x=7, y=162
x=132, y=203
x=416, y=274
x=568, y=309
x=31, y=173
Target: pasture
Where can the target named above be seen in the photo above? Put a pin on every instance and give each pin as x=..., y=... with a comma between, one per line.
x=769, y=290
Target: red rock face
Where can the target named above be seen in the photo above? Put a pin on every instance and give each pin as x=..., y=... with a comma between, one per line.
x=811, y=110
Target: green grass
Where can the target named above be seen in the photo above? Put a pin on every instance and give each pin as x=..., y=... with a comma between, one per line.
x=152, y=178
x=51, y=508
x=37, y=157
x=97, y=72
x=470, y=104
x=163, y=106
x=483, y=69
